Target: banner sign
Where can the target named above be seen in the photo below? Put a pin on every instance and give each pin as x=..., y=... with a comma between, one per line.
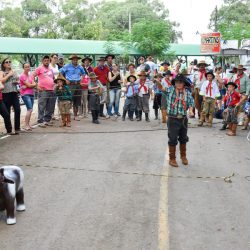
x=210, y=43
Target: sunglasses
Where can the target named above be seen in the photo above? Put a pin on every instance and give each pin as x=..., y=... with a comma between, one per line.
x=7, y=62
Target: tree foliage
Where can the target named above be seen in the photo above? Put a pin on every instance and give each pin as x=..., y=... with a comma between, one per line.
x=232, y=19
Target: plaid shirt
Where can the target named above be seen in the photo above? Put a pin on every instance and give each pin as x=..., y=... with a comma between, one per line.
x=178, y=109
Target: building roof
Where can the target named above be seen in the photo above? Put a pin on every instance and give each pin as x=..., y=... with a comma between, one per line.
x=10, y=45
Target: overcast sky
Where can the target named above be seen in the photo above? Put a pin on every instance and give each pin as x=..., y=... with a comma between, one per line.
x=193, y=16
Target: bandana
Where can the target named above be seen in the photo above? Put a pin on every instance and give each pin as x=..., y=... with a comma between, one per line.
x=237, y=81
x=202, y=73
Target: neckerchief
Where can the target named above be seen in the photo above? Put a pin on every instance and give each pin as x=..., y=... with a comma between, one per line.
x=209, y=89
x=202, y=73
x=237, y=81
x=142, y=85
x=177, y=99
x=168, y=82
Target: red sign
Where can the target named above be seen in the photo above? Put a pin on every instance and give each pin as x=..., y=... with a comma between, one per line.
x=210, y=43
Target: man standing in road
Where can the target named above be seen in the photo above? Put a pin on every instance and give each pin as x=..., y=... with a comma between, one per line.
x=102, y=71
x=46, y=95
x=73, y=72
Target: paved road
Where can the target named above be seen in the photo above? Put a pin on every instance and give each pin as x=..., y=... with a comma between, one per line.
x=104, y=190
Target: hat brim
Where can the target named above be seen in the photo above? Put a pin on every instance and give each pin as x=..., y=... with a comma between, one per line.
x=87, y=58
x=233, y=84
x=210, y=73
x=185, y=81
x=206, y=65
x=75, y=57
x=106, y=57
x=241, y=69
x=63, y=80
x=135, y=78
x=162, y=64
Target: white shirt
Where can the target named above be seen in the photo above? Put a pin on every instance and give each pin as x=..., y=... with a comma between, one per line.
x=165, y=84
x=197, y=82
x=141, y=90
x=55, y=70
x=205, y=90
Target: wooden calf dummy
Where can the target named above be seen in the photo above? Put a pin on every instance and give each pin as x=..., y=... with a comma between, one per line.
x=11, y=190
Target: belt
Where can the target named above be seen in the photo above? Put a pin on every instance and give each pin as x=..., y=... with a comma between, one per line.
x=177, y=116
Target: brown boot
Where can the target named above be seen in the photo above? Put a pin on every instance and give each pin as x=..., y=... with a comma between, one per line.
x=229, y=129
x=246, y=122
x=63, y=122
x=172, y=157
x=233, y=131
x=202, y=119
x=210, y=120
x=68, y=121
x=183, y=150
x=164, y=116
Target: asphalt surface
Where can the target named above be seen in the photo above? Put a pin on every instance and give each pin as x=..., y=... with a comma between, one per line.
x=100, y=187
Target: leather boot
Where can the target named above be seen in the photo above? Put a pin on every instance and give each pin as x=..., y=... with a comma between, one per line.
x=183, y=150
x=63, y=124
x=124, y=115
x=210, y=121
x=233, y=130
x=130, y=115
x=139, y=116
x=224, y=126
x=229, y=129
x=172, y=156
x=164, y=115
x=156, y=114
x=68, y=120
x=202, y=120
x=146, y=117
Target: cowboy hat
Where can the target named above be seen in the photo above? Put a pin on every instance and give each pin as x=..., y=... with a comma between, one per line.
x=60, y=77
x=92, y=75
x=87, y=58
x=231, y=83
x=202, y=62
x=181, y=78
x=106, y=57
x=165, y=63
x=234, y=70
x=74, y=56
x=101, y=59
x=167, y=73
x=131, y=76
x=241, y=67
x=142, y=73
x=210, y=73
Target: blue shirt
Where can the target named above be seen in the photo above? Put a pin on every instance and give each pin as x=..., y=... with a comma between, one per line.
x=156, y=90
x=130, y=92
x=72, y=73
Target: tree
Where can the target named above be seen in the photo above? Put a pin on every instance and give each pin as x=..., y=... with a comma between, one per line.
x=232, y=19
x=151, y=37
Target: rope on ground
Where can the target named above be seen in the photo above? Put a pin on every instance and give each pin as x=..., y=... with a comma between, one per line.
x=227, y=179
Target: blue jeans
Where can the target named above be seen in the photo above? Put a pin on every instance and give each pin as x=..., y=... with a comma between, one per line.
x=28, y=101
x=114, y=99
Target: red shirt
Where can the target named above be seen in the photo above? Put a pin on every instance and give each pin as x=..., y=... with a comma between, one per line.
x=102, y=74
x=231, y=100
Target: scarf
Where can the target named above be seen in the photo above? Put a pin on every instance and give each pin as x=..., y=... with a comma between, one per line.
x=209, y=89
x=142, y=85
x=237, y=81
x=202, y=73
x=168, y=82
x=177, y=99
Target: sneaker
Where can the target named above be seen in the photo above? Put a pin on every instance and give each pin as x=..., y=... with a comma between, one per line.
x=107, y=116
x=50, y=123
x=41, y=125
x=116, y=116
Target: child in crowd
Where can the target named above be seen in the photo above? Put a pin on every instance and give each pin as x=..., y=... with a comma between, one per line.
x=144, y=91
x=64, y=100
x=157, y=94
x=210, y=91
x=130, y=102
x=231, y=102
x=95, y=90
x=247, y=114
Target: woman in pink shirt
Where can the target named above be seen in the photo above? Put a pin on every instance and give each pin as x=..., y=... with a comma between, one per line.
x=27, y=92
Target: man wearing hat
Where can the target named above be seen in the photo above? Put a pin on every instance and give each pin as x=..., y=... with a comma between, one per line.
x=144, y=91
x=101, y=71
x=231, y=102
x=210, y=92
x=179, y=101
x=199, y=79
x=73, y=72
x=109, y=61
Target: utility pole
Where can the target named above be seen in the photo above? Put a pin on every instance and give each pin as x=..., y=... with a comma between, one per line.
x=129, y=23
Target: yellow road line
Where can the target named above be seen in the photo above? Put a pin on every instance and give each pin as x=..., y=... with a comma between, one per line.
x=163, y=233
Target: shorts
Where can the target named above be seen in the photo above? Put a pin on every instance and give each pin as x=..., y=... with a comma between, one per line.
x=64, y=107
x=28, y=101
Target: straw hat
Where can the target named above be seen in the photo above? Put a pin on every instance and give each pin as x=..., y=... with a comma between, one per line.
x=202, y=62
x=92, y=75
x=60, y=77
x=74, y=56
